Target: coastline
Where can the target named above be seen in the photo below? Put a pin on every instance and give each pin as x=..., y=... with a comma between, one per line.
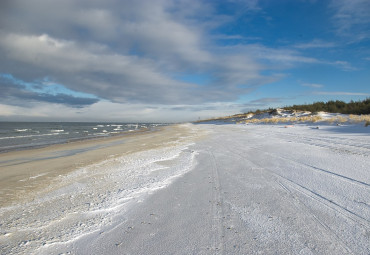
x=28, y=171
x=54, y=133
x=61, y=193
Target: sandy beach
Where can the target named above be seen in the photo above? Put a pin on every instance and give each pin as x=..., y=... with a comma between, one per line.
x=24, y=171
x=192, y=189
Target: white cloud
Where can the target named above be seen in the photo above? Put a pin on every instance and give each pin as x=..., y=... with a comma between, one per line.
x=137, y=47
x=344, y=65
x=341, y=93
x=352, y=18
x=277, y=57
x=8, y=110
x=316, y=43
x=129, y=54
x=120, y=77
x=108, y=111
x=313, y=85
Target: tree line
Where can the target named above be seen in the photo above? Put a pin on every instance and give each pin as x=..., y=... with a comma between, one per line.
x=353, y=107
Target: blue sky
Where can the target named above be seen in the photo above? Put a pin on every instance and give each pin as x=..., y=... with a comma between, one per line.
x=178, y=60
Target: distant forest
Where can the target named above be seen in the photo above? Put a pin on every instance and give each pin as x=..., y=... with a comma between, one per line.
x=358, y=107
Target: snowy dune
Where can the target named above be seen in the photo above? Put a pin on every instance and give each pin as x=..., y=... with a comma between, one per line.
x=210, y=189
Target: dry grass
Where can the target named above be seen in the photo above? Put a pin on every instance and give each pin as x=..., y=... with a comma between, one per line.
x=359, y=118
x=301, y=119
x=337, y=119
x=312, y=118
x=341, y=119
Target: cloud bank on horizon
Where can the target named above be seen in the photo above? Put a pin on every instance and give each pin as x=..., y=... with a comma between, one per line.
x=177, y=60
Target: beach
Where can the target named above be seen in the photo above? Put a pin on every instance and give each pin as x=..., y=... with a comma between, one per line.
x=192, y=189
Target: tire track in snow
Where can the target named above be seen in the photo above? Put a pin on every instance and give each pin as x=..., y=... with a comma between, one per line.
x=334, y=143
x=317, y=169
x=314, y=195
x=325, y=201
x=217, y=209
x=295, y=200
x=330, y=233
x=320, y=198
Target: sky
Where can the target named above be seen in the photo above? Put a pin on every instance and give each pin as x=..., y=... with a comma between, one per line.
x=178, y=60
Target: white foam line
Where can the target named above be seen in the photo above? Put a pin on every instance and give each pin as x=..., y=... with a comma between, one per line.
x=39, y=175
x=25, y=136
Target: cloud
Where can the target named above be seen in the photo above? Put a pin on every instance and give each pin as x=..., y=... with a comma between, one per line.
x=266, y=100
x=108, y=111
x=344, y=65
x=316, y=43
x=108, y=75
x=263, y=103
x=313, y=85
x=18, y=94
x=235, y=37
x=132, y=54
x=156, y=28
x=137, y=46
x=341, y=93
x=352, y=19
x=283, y=57
x=246, y=6
x=128, y=51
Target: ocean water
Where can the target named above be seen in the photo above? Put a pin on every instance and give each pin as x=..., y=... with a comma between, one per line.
x=23, y=135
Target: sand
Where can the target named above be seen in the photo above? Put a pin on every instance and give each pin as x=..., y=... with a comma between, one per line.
x=22, y=173
x=201, y=189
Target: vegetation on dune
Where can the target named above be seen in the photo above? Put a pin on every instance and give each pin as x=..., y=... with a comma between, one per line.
x=358, y=111
x=358, y=107
x=312, y=118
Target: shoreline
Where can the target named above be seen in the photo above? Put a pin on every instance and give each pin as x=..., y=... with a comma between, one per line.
x=24, y=172
x=77, y=139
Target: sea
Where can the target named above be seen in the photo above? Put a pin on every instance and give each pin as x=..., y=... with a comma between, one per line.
x=27, y=135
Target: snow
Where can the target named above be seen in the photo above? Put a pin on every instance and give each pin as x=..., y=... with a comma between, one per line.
x=242, y=189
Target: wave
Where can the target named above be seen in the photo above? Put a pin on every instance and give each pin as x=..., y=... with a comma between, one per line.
x=26, y=136
x=57, y=130
x=22, y=130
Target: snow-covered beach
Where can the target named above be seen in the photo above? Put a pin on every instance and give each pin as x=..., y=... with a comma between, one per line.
x=193, y=189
